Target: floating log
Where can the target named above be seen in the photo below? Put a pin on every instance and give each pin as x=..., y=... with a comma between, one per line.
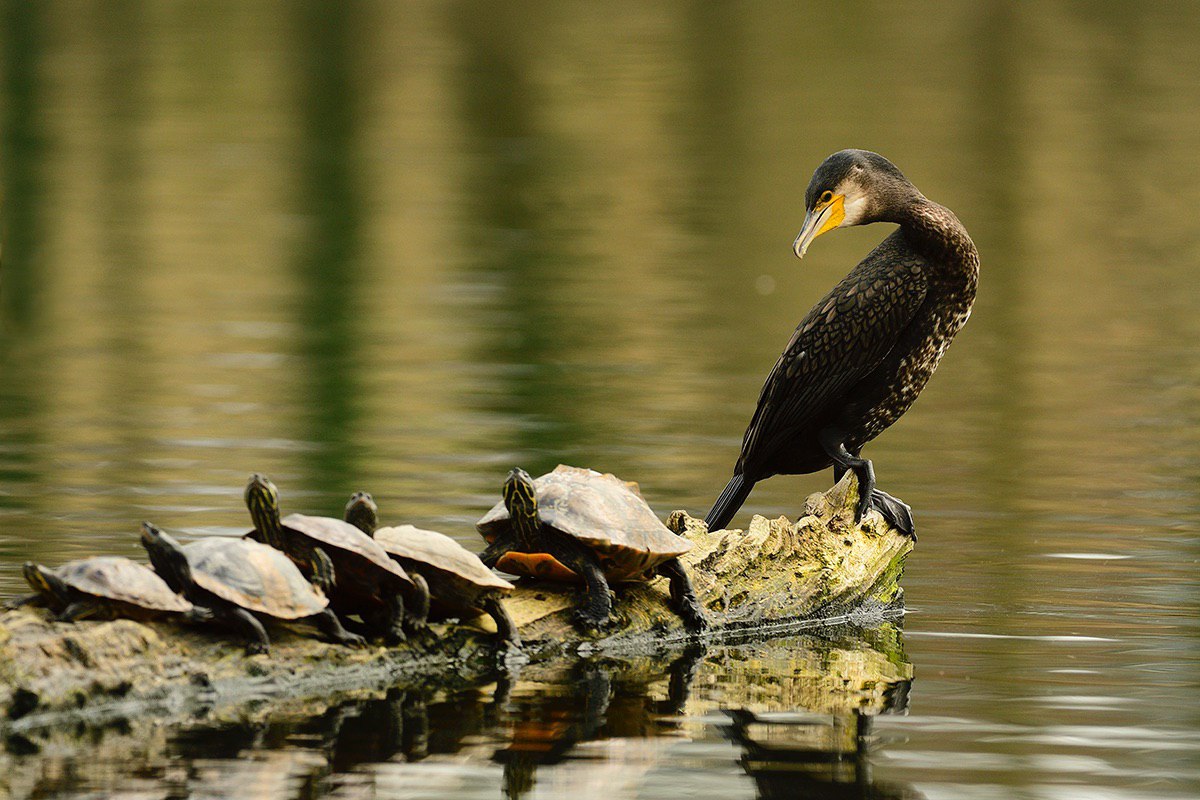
x=774, y=577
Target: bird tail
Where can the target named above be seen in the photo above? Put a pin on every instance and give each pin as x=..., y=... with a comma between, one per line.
x=736, y=492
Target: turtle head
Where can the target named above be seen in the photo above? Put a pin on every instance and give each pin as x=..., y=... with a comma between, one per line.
x=262, y=498
x=520, y=498
x=362, y=512
x=45, y=583
x=168, y=558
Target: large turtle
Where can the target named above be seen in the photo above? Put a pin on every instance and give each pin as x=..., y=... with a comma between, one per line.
x=238, y=581
x=577, y=524
x=365, y=581
x=459, y=584
x=102, y=587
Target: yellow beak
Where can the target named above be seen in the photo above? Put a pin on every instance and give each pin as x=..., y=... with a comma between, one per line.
x=822, y=218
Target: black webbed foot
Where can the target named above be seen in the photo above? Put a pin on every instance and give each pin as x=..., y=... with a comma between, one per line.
x=897, y=513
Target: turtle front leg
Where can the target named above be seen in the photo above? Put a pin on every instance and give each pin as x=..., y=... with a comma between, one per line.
x=327, y=623
x=496, y=550
x=506, y=628
x=593, y=612
x=35, y=600
x=394, y=618
x=250, y=628
x=414, y=614
x=80, y=609
x=683, y=597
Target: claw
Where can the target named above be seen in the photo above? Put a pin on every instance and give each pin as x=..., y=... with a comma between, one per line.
x=590, y=622
x=864, y=505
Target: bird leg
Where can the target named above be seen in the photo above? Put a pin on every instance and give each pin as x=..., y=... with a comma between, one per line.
x=896, y=512
x=833, y=442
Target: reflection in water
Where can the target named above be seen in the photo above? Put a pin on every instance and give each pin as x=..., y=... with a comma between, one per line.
x=545, y=730
x=22, y=262
x=527, y=340
x=327, y=256
x=22, y=143
x=594, y=701
x=824, y=759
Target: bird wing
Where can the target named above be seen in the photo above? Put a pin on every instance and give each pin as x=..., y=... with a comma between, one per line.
x=838, y=343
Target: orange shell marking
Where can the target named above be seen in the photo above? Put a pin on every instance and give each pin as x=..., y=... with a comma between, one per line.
x=536, y=565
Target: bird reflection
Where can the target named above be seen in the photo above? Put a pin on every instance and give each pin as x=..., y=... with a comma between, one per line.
x=818, y=758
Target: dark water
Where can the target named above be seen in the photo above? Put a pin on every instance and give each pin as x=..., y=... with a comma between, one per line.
x=403, y=247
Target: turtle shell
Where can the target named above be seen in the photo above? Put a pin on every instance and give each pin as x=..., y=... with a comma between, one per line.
x=456, y=576
x=602, y=511
x=254, y=576
x=123, y=580
x=339, y=535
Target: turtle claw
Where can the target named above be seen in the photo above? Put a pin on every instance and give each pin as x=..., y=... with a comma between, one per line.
x=353, y=640
x=258, y=649
x=693, y=617
x=416, y=628
x=394, y=637
x=591, y=622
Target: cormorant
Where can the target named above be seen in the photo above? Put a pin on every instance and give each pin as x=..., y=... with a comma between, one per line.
x=859, y=358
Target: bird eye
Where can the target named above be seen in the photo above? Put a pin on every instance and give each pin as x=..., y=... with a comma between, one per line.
x=826, y=197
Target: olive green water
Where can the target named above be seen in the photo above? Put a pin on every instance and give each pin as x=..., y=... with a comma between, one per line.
x=404, y=247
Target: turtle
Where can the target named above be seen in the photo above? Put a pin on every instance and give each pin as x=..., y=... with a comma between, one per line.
x=459, y=584
x=580, y=525
x=363, y=579
x=239, y=581
x=102, y=587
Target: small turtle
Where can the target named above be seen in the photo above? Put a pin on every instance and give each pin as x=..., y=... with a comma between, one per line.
x=365, y=581
x=238, y=581
x=459, y=584
x=577, y=524
x=103, y=587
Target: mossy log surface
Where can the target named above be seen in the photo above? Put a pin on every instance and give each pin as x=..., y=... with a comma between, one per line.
x=774, y=577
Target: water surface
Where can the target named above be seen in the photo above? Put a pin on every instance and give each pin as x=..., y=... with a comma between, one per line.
x=404, y=247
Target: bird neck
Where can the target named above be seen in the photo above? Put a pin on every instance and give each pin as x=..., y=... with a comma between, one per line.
x=935, y=232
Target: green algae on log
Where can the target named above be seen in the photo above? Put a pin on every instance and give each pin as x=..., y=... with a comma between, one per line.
x=774, y=576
